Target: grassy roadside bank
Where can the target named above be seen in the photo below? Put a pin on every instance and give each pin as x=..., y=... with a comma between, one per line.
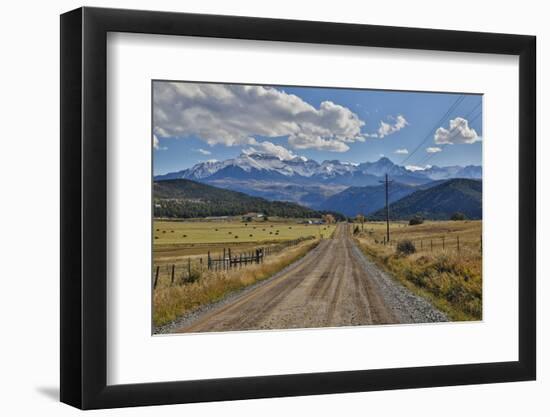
x=450, y=280
x=170, y=302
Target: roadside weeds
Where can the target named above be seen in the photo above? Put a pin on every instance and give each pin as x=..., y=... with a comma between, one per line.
x=450, y=281
x=171, y=302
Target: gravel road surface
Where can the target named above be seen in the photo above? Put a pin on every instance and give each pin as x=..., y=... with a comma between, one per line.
x=333, y=285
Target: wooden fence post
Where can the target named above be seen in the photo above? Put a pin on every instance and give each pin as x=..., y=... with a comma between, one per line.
x=209, y=261
x=431, y=245
x=457, y=244
x=156, y=277
x=172, y=275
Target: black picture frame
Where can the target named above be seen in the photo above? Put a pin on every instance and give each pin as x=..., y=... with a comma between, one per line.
x=84, y=207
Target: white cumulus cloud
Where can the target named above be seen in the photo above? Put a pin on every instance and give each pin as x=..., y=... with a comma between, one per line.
x=385, y=129
x=458, y=132
x=270, y=148
x=433, y=149
x=236, y=114
x=402, y=151
x=156, y=144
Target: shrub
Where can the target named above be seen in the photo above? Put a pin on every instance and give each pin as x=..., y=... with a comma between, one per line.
x=194, y=277
x=458, y=216
x=405, y=247
x=356, y=230
x=416, y=220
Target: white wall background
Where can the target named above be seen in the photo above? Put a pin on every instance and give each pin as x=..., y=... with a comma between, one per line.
x=29, y=164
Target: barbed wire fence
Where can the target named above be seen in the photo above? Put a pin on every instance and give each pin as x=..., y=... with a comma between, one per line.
x=450, y=241
x=191, y=269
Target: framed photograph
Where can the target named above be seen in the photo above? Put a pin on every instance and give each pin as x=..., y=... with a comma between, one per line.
x=256, y=208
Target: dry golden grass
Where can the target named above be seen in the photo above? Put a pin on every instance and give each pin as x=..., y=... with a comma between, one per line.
x=451, y=279
x=170, y=302
x=430, y=233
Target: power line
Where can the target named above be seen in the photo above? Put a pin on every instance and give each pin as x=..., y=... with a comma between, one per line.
x=430, y=156
x=457, y=102
x=472, y=110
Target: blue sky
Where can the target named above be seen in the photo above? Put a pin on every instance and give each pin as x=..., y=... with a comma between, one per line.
x=196, y=122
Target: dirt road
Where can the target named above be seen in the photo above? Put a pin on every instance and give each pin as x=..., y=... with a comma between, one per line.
x=333, y=285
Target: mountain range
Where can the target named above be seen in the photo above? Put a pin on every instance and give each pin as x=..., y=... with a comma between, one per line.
x=439, y=202
x=308, y=182
x=369, y=199
x=183, y=198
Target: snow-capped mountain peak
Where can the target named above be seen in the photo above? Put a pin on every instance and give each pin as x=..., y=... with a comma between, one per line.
x=265, y=165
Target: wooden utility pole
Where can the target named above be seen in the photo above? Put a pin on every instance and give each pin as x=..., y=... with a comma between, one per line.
x=387, y=183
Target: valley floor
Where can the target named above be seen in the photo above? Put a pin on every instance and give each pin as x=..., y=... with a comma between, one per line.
x=332, y=285
x=176, y=240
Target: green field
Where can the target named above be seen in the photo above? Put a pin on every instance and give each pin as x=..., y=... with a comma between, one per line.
x=175, y=240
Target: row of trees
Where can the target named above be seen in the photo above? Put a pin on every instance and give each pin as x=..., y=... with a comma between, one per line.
x=190, y=209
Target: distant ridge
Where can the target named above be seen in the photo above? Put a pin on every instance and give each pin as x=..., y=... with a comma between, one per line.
x=439, y=202
x=365, y=200
x=183, y=198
